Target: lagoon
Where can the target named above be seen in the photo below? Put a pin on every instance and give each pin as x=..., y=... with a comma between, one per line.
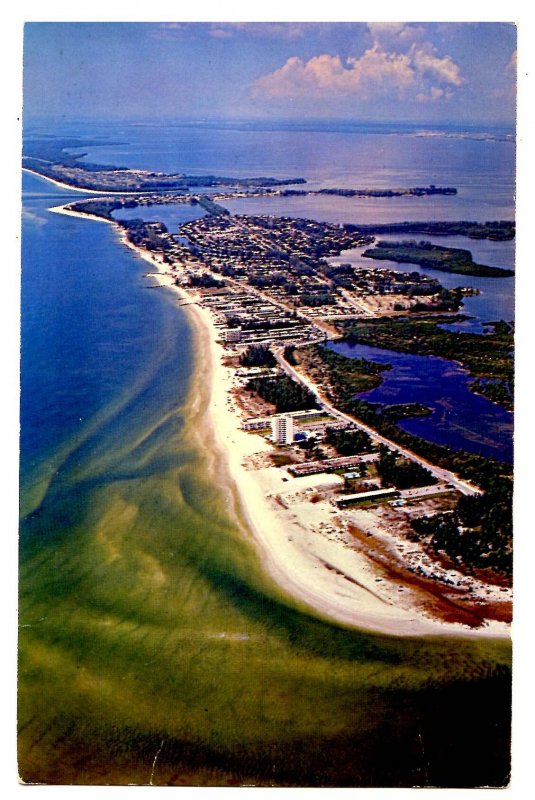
x=459, y=418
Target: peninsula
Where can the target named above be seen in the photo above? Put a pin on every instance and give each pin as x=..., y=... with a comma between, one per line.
x=333, y=490
x=49, y=158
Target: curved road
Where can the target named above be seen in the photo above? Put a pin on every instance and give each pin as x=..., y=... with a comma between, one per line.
x=441, y=474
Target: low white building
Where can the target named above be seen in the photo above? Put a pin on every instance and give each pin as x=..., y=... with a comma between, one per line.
x=282, y=430
x=233, y=335
x=256, y=424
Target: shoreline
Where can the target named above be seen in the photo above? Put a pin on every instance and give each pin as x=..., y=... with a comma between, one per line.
x=317, y=569
x=61, y=185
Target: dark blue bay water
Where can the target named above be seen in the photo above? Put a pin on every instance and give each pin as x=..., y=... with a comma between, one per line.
x=172, y=215
x=483, y=171
x=459, y=419
x=368, y=210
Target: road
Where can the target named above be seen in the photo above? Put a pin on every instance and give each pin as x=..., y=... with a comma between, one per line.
x=354, y=302
x=441, y=474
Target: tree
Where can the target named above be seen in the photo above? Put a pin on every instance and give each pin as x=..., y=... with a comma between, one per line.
x=348, y=441
x=258, y=356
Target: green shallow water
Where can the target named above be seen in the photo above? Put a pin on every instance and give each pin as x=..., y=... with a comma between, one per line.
x=148, y=627
x=153, y=648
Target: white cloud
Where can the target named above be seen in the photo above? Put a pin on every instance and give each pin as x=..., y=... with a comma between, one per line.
x=434, y=94
x=511, y=67
x=395, y=36
x=398, y=64
x=168, y=31
x=444, y=70
x=220, y=33
x=322, y=75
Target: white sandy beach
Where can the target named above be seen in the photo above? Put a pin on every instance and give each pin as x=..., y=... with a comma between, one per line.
x=61, y=185
x=303, y=545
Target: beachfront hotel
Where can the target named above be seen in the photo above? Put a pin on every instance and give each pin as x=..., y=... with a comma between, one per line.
x=282, y=429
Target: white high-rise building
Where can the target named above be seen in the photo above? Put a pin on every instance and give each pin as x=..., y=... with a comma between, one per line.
x=282, y=430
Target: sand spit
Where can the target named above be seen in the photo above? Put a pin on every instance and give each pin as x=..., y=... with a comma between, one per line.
x=305, y=546
x=61, y=185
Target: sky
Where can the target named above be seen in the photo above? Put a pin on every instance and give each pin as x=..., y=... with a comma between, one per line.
x=422, y=72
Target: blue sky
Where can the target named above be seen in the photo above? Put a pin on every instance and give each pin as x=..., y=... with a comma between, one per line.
x=422, y=72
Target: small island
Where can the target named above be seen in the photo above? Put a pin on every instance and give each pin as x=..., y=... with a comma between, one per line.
x=433, y=256
x=413, y=191
x=495, y=230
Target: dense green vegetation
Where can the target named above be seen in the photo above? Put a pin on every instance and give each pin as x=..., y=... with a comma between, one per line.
x=288, y=321
x=148, y=235
x=206, y=281
x=269, y=280
x=416, y=191
x=349, y=441
x=447, y=301
x=289, y=354
x=101, y=208
x=342, y=275
x=499, y=326
x=486, y=356
x=350, y=375
x=432, y=256
x=284, y=393
x=38, y=150
x=478, y=534
x=210, y=207
x=314, y=299
x=258, y=355
x=499, y=230
x=498, y=392
x=400, y=472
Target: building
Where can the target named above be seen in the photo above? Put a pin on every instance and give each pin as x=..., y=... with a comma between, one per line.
x=366, y=497
x=256, y=424
x=282, y=429
x=233, y=335
x=328, y=464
